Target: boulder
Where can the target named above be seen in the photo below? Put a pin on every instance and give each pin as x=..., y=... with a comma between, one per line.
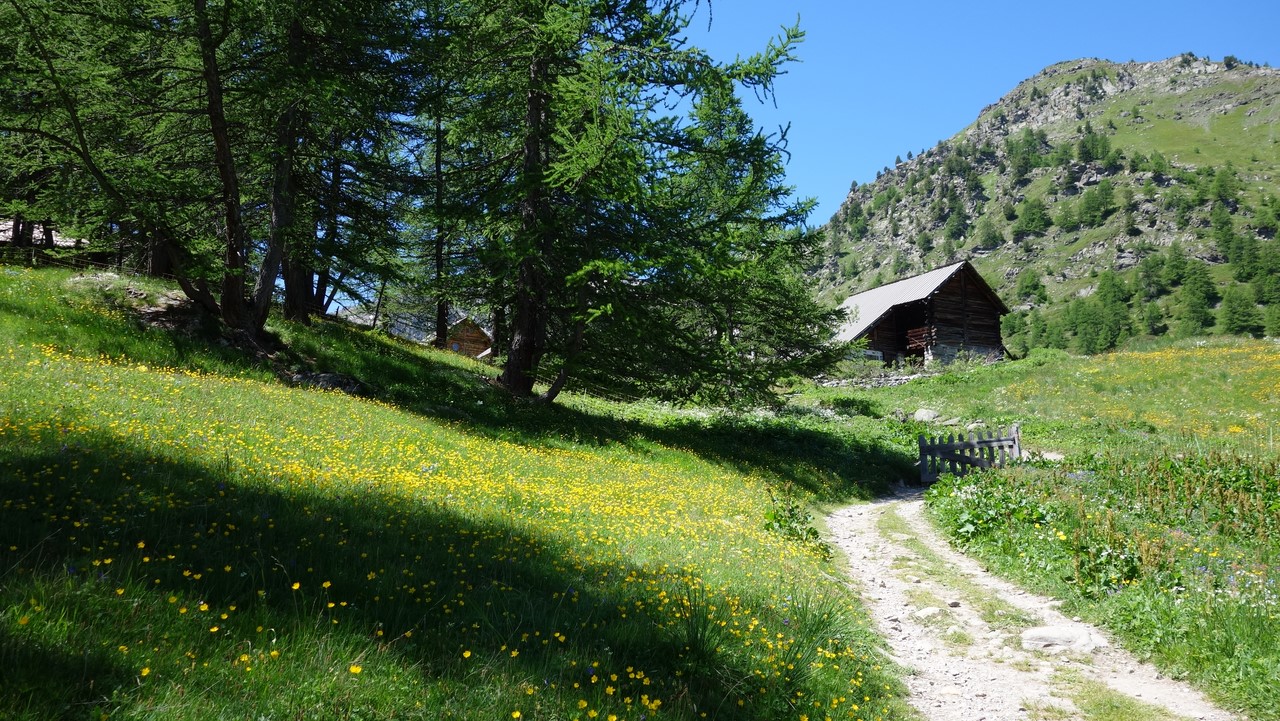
x=1056, y=639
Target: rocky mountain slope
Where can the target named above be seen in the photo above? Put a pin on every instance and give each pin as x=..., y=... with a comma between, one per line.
x=1142, y=179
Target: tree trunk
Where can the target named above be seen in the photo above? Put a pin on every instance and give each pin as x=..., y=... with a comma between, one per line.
x=235, y=310
x=575, y=348
x=306, y=286
x=299, y=292
x=159, y=261
x=283, y=199
x=377, y=307
x=529, y=324
x=19, y=235
x=442, y=302
x=320, y=301
x=528, y=330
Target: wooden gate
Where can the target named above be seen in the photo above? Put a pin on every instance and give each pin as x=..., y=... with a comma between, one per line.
x=959, y=456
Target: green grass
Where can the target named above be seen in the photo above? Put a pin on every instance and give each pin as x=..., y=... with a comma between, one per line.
x=1162, y=523
x=1098, y=702
x=1202, y=393
x=1244, y=141
x=183, y=537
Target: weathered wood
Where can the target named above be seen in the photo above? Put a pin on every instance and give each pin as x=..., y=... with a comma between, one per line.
x=958, y=457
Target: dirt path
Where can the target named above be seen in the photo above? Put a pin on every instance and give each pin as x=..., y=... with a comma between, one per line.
x=959, y=632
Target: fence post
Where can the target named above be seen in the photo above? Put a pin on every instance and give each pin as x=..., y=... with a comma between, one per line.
x=924, y=460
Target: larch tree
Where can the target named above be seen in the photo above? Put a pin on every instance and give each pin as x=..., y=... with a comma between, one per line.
x=600, y=99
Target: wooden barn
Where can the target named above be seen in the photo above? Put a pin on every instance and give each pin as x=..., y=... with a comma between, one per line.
x=933, y=316
x=468, y=338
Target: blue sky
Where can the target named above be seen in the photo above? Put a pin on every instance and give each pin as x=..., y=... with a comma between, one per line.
x=878, y=79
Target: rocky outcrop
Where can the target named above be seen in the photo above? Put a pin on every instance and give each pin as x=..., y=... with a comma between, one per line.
x=960, y=199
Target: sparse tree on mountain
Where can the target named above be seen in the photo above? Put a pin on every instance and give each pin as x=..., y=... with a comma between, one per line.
x=1151, y=279
x=1030, y=287
x=1033, y=218
x=1239, y=314
x=1153, y=319
x=989, y=237
x=1097, y=203
x=1196, y=297
x=1092, y=146
x=1266, y=282
x=1271, y=321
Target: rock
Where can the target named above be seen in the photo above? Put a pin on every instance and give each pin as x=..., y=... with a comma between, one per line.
x=925, y=415
x=950, y=422
x=927, y=612
x=1055, y=639
x=953, y=604
x=329, y=381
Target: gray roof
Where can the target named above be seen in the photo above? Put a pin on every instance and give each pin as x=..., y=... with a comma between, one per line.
x=869, y=306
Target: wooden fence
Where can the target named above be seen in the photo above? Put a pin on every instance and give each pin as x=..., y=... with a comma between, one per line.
x=958, y=456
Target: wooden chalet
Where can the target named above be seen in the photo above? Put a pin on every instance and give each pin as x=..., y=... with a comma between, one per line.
x=933, y=316
x=465, y=335
x=468, y=338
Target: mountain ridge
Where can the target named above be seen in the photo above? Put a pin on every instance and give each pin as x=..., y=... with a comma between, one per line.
x=1087, y=167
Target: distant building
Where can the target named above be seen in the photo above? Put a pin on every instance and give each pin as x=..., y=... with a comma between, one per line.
x=933, y=316
x=468, y=338
x=466, y=335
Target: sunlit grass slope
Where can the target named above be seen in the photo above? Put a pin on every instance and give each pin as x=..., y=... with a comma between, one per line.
x=1197, y=394
x=1162, y=522
x=204, y=544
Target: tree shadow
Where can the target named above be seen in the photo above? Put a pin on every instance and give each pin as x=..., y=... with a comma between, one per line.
x=824, y=459
x=40, y=682
x=124, y=532
x=827, y=461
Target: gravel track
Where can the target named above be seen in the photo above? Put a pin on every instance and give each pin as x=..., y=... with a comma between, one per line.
x=966, y=661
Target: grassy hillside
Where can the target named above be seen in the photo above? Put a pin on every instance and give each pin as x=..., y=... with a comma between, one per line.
x=182, y=536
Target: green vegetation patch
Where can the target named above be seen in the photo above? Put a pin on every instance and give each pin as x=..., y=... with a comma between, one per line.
x=1175, y=553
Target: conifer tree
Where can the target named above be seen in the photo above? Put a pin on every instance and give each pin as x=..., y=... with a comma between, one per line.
x=1196, y=297
x=1239, y=314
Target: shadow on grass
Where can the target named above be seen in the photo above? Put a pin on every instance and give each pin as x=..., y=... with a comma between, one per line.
x=109, y=546
x=40, y=682
x=827, y=460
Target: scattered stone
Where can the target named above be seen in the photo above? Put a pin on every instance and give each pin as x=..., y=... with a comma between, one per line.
x=927, y=612
x=953, y=604
x=925, y=415
x=950, y=422
x=1056, y=639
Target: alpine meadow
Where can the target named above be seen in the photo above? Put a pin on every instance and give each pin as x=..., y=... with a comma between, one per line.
x=435, y=359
